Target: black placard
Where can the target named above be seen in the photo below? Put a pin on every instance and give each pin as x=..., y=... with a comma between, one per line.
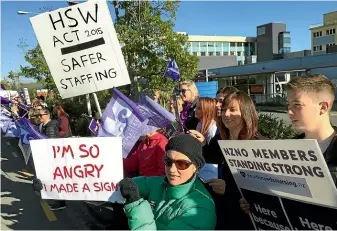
x=305, y=216
x=266, y=211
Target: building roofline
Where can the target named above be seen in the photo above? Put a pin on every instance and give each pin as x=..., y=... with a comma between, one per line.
x=301, y=63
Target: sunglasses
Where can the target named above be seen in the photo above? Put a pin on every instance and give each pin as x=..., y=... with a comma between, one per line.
x=40, y=115
x=183, y=91
x=180, y=164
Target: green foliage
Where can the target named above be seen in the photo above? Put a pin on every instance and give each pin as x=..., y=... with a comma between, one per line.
x=274, y=128
x=7, y=84
x=150, y=41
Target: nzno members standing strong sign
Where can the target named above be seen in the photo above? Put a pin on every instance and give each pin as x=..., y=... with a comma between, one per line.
x=81, y=48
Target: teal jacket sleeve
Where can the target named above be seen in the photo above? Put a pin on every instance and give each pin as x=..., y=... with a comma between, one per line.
x=140, y=215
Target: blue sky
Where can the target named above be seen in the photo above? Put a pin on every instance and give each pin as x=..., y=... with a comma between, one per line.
x=196, y=18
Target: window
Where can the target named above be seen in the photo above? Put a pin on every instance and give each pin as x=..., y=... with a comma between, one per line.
x=314, y=48
x=327, y=32
x=239, y=53
x=217, y=53
x=210, y=53
x=195, y=44
x=333, y=31
x=239, y=44
x=210, y=44
x=232, y=53
x=261, y=31
x=320, y=33
x=203, y=44
x=203, y=53
x=240, y=63
x=225, y=53
x=195, y=53
x=320, y=47
x=233, y=45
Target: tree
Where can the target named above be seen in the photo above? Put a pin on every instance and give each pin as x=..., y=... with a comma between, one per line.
x=146, y=29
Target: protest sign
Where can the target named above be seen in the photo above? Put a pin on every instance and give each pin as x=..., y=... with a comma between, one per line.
x=79, y=168
x=279, y=181
x=26, y=94
x=81, y=48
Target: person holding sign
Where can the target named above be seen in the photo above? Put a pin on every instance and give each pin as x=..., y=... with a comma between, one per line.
x=238, y=121
x=310, y=99
x=176, y=201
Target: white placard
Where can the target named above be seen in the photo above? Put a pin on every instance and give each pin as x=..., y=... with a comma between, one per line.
x=26, y=93
x=79, y=168
x=293, y=169
x=81, y=48
x=208, y=172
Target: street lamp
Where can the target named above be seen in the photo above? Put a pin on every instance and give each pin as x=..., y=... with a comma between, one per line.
x=20, y=12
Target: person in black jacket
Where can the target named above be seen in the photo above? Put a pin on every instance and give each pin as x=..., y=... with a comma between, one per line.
x=48, y=126
x=189, y=94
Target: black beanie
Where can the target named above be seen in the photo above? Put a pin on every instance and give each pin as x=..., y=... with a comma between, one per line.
x=189, y=146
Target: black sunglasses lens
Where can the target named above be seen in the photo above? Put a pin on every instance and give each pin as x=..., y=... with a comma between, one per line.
x=167, y=161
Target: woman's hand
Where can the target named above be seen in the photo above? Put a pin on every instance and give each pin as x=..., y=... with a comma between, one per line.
x=218, y=185
x=197, y=135
x=244, y=205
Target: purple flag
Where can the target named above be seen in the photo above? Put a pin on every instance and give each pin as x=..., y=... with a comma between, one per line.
x=158, y=116
x=5, y=101
x=24, y=107
x=122, y=118
x=93, y=127
x=172, y=70
x=26, y=131
x=5, y=120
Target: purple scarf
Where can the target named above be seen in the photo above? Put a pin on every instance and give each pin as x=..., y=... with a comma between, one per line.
x=184, y=112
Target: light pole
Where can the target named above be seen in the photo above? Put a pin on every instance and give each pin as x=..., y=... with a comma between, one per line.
x=20, y=12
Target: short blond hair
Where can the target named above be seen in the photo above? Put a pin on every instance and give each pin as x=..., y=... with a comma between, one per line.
x=193, y=88
x=312, y=84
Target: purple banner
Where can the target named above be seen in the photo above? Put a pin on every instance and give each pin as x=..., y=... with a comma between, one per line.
x=26, y=131
x=5, y=101
x=122, y=118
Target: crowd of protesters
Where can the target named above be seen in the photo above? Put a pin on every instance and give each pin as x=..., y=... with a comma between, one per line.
x=163, y=186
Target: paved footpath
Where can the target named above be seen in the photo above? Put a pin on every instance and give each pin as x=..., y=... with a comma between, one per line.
x=21, y=208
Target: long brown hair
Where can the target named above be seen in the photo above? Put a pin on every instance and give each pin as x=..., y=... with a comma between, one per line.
x=60, y=111
x=248, y=114
x=208, y=110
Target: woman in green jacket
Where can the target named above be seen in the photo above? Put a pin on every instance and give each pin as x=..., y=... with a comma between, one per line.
x=177, y=201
